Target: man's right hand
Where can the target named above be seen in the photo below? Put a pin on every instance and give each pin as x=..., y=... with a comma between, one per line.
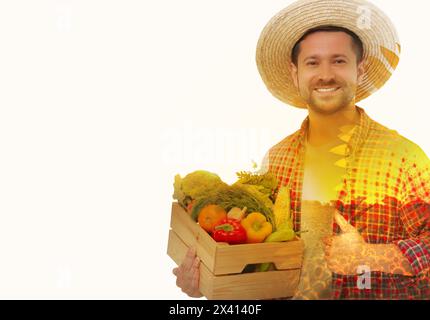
x=188, y=274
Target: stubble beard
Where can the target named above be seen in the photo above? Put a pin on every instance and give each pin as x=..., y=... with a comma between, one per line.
x=331, y=105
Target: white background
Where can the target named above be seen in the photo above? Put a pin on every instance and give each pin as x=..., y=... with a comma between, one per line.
x=103, y=102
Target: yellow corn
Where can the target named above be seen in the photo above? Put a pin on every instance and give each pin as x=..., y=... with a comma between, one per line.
x=281, y=209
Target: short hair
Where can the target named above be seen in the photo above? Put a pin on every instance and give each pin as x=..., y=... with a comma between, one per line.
x=357, y=44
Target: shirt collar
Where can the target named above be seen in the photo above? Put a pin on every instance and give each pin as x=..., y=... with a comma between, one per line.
x=357, y=138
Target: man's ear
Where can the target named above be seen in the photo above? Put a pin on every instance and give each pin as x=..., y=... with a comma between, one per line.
x=294, y=74
x=361, y=70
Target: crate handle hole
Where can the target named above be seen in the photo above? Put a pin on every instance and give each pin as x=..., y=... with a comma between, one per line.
x=259, y=267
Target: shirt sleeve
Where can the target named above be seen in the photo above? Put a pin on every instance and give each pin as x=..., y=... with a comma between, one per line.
x=415, y=213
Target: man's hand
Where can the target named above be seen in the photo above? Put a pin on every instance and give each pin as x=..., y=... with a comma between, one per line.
x=188, y=274
x=346, y=252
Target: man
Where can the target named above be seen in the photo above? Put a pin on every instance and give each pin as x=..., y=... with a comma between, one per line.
x=361, y=190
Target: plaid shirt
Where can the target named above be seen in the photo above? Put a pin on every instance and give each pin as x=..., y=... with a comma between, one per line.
x=385, y=194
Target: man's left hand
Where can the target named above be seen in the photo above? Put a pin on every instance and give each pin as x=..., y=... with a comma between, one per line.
x=346, y=252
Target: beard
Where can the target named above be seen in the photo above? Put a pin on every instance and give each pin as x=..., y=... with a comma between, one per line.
x=332, y=103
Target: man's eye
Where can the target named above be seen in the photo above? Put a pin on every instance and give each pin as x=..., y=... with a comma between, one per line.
x=340, y=61
x=311, y=63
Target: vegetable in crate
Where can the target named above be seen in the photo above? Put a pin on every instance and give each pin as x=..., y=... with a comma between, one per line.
x=237, y=213
x=261, y=186
x=257, y=227
x=230, y=231
x=265, y=183
x=210, y=216
x=282, y=213
x=282, y=234
x=281, y=209
x=194, y=186
x=284, y=224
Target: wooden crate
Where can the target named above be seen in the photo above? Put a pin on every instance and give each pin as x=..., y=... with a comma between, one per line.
x=221, y=264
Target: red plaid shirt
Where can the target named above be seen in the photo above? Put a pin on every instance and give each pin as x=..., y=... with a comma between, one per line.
x=385, y=195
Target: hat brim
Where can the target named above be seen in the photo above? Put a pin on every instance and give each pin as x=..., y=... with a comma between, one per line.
x=369, y=23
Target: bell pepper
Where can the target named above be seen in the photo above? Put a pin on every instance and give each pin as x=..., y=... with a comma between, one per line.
x=230, y=231
x=257, y=227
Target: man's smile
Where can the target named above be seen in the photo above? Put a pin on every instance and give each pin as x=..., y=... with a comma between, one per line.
x=327, y=90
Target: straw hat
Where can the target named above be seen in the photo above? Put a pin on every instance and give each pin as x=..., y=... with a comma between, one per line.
x=369, y=23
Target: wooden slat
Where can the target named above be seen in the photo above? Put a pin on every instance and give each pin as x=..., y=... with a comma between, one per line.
x=177, y=250
x=256, y=286
x=262, y=285
x=233, y=259
x=193, y=235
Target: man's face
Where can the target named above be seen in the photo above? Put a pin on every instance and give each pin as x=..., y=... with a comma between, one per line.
x=327, y=74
